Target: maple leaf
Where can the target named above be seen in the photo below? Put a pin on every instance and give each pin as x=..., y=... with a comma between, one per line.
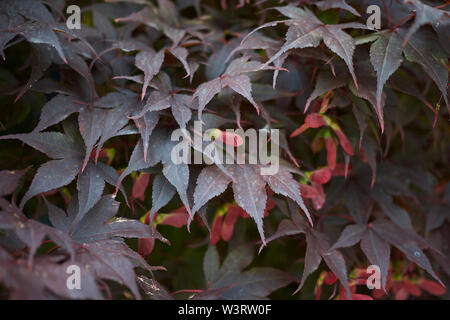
x=47, y=279
x=317, y=249
x=406, y=241
x=256, y=283
x=283, y=183
x=160, y=151
x=56, y=110
x=90, y=122
x=234, y=78
x=250, y=192
x=325, y=82
x=31, y=232
x=430, y=55
x=211, y=182
x=55, y=173
x=162, y=193
x=164, y=98
x=386, y=57
x=90, y=185
x=305, y=30
x=40, y=32
x=425, y=14
x=101, y=246
x=378, y=252
x=149, y=62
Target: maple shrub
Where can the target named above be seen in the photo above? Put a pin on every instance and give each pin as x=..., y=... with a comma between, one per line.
x=89, y=187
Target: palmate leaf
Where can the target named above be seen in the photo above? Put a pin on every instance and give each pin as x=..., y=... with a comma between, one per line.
x=325, y=82
x=114, y=120
x=425, y=14
x=210, y=183
x=56, y=110
x=160, y=151
x=376, y=239
x=162, y=193
x=164, y=97
x=283, y=183
x=113, y=260
x=94, y=225
x=149, y=62
x=256, y=283
x=234, y=78
x=350, y=236
x=90, y=122
x=97, y=125
x=305, y=30
x=249, y=188
x=102, y=248
x=378, y=252
x=55, y=173
x=425, y=50
x=178, y=176
x=406, y=241
x=32, y=232
x=162, y=100
x=40, y=62
x=318, y=248
x=250, y=192
x=386, y=57
x=165, y=19
x=138, y=161
x=46, y=280
x=41, y=33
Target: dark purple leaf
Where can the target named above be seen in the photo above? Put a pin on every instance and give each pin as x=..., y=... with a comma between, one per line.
x=406, y=241
x=378, y=252
x=51, y=175
x=427, y=52
x=145, y=125
x=56, y=110
x=150, y=63
x=90, y=185
x=250, y=192
x=91, y=124
x=350, y=236
x=210, y=183
x=256, y=283
x=178, y=176
x=162, y=193
x=283, y=183
x=386, y=58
